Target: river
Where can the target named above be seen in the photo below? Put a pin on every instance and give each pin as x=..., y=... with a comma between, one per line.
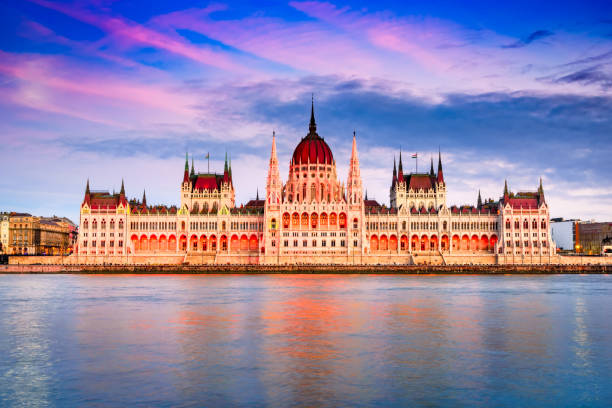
x=305, y=340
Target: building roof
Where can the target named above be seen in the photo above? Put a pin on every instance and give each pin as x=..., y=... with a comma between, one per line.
x=207, y=181
x=416, y=181
x=312, y=148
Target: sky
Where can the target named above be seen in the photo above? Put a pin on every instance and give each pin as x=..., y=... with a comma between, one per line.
x=120, y=90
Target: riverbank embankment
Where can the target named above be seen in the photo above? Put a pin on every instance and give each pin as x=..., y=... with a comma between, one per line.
x=308, y=269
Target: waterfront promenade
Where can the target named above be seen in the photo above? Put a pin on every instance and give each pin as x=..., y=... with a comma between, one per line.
x=312, y=269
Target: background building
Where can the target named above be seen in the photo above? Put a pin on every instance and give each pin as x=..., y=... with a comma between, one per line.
x=31, y=235
x=591, y=235
x=564, y=233
x=4, y=232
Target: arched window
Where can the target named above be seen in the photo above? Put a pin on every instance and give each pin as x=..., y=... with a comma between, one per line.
x=322, y=196
x=94, y=224
x=517, y=224
x=534, y=224
x=323, y=219
x=313, y=192
x=342, y=220
x=543, y=226
x=525, y=223
x=273, y=223
x=508, y=223
x=295, y=219
x=223, y=225
x=313, y=220
x=85, y=224
x=183, y=226
x=103, y=224
x=355, y=223
x=304, y=192
x=286, y=220
x=304, y=220
x=120, y=224
x=112, y=224
x=332, y=219
x=403, y=225
x=444, y=224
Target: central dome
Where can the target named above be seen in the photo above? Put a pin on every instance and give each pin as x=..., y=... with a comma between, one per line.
x=312, y=148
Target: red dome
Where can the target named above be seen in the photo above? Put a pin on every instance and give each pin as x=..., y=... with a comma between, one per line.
x=312, y=148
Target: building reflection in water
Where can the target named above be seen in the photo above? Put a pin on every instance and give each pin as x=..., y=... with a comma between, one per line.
x=305, y=340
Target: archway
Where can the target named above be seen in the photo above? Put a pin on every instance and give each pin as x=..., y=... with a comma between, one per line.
x=234, y=243
x=183, y=243
x=193, y=243
x=135, y=243
x=433, y=243
x=153, y=245
x=373, y=243
x=212, y=242
x=383, y=244
x=144, y=243
x=304, y=220
x=393, y=243
x=404, y=243
x=314, y=220
x=424, y=243
x=465, y=243
x=414, y=243
x=253, y=243
x=456, y=243
x=484, y=243
x=244, y=243
x=323, y=220
x=203, y=243
x=163, y=243
x=172, y=243
x=333, y=219
x=223, y=242
x=493, y=241
x=474, y=243
x=444, y=242
x=342, y=220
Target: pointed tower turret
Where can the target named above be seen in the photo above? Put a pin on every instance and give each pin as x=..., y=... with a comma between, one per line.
x=312, y=127
x=541, y=198
x=192, y=168
x=186, y=173
x=506, y=193
x=87, y=198
x=273, y=184
x=440, y=174
x=400, y=170
x=479, y=203
x=355, y=190
x=257, y=195
x=225, y=170
x=431, y=170
x=122, y=198
x=122, y=192
x=231, y=180
x=394, y=180
x=144, y=198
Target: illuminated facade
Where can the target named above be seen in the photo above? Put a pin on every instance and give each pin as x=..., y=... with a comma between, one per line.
x=314, y=217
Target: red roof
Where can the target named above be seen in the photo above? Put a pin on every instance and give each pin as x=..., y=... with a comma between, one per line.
x=418, y=181
x=207, y=181
x=527, y=203
x=312, y=149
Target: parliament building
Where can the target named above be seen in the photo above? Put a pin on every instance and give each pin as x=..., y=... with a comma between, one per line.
x=314, y=217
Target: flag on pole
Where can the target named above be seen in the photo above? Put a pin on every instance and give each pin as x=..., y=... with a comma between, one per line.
x=208, y=155
x=415, y=155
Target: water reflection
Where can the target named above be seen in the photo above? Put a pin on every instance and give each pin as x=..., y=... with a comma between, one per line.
x=305, y=340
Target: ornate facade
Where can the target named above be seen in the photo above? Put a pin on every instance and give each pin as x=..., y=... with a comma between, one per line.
x=314, y=217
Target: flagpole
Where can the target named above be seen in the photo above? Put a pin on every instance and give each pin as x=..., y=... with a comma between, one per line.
x=208, y=159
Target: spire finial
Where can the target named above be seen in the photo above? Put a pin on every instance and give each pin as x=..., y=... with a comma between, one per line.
x=186, y=161
x=87, y=187
x=313, y=126
x=257, y=195
x=122, y=192
x=144, y=198
x=479, y=199
x=192, y=167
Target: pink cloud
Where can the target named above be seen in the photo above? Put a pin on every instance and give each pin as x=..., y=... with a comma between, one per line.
x=128, y=33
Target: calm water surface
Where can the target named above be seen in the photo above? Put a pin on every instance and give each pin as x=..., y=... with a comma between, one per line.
x=301, y=340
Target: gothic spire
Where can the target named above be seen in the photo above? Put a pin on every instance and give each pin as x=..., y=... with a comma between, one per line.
x=144, y=198
x=192, y=168
x=479, y=200
x=431, y=171
x=506, y=193
x=257, y=195
x=186, y=161
x=122, y=192
x=225, y=166
x=87, y=188
x=541, y=191
x=440, y=173
x=312, y=128
x=400, y=170
x=394, y=173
